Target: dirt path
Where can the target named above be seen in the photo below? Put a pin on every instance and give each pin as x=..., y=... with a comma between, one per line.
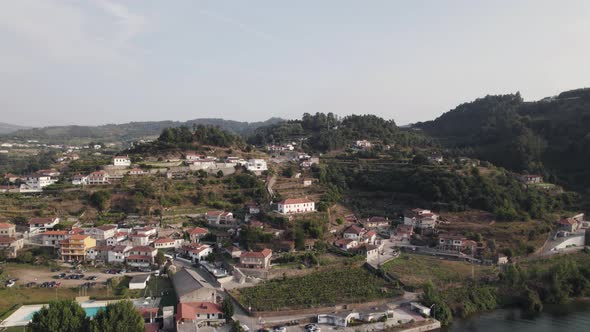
x=270, y=183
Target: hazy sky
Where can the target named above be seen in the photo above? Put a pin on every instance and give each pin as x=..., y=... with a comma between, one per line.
x=96, y=62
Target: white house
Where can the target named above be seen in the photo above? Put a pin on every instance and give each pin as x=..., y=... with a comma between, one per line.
x=42, y=224
x=204, y=163
x=101, y=233
x=353, y=232
x=117, y=238
x=137, y=171
x=53, y=238
x=219, y=217
x=192, y=156
x=166, y=242
x=140, y=239
x=197, y=252
x=80, y=180
x=121, y=161
x=98, y=177
x=363, y=144
x=118, y=254
x=296, y=205
x=421, y=219
x=256, y=165
x=141, y=256
x=36, y=183
x=149, y=231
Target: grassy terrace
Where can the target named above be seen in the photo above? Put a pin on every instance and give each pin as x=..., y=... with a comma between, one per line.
x=415, y=270
x=351, y=284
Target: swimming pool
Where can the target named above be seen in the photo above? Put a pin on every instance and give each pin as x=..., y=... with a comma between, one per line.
x=90, y=312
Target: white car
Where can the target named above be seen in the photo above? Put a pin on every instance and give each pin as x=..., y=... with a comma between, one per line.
x=279, y=329
x=10, y=283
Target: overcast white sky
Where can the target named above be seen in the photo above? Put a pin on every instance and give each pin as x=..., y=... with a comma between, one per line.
x=97, y=62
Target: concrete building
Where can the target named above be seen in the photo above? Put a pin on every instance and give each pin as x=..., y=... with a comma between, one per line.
x=139, y=281
x=189, y=288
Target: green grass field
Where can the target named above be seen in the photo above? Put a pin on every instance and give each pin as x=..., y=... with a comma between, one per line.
x=415, y=270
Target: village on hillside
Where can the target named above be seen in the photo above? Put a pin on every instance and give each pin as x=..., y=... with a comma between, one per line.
x=187, y=234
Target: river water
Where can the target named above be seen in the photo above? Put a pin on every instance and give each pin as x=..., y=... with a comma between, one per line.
x=574, y=317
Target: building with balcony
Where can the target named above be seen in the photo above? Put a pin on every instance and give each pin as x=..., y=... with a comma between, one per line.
x=76, y=247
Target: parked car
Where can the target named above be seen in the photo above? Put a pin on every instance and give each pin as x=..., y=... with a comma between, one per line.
x=10, y=283
x=31, y=284
x=92, y=278
x=279, y=329
x=61, y=275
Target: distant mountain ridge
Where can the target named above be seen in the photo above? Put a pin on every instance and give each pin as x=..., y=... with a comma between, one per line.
x=7, y=128
x=128, y=132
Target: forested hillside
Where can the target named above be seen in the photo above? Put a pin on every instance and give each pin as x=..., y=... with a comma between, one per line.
x=324, y=132
x=550, y=137
x=184, y=138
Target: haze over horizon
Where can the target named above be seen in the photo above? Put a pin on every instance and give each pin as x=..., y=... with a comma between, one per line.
x=96, y=62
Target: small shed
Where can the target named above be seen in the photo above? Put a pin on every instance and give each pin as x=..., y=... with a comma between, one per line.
x=139, y=281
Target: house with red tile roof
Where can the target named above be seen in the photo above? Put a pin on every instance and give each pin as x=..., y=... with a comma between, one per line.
x=296, y=205
x=346, y=244
x=42, y=224
x=354, y=232
x=197, y=233
x=219, y=217
x=11, y=245
x=7, y=229
x=167, y=242
x=376, y=222
x=98, y=178
x=199, y=313
x=256, y=259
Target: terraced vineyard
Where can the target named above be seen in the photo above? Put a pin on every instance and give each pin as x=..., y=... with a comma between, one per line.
x=322, y=288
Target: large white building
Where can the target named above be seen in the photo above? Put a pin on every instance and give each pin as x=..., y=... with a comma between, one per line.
x=296, y=205
x=256, y=165
x=121, y=161
x=98, y=177
x=36, y=183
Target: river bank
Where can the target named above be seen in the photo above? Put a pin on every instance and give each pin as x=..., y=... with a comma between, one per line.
x=571, y=317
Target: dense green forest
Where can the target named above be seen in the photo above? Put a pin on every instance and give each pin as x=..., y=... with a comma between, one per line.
x=441, y=188
x=128, y=132
x=550, y=137
x=324, y=132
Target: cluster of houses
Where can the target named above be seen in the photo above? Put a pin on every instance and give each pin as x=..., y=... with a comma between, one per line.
x=122, y=165
x=363, y=240
x=32, y=183
x=135, y=247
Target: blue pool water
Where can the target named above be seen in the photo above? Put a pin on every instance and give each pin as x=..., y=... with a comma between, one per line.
x=90, y=312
